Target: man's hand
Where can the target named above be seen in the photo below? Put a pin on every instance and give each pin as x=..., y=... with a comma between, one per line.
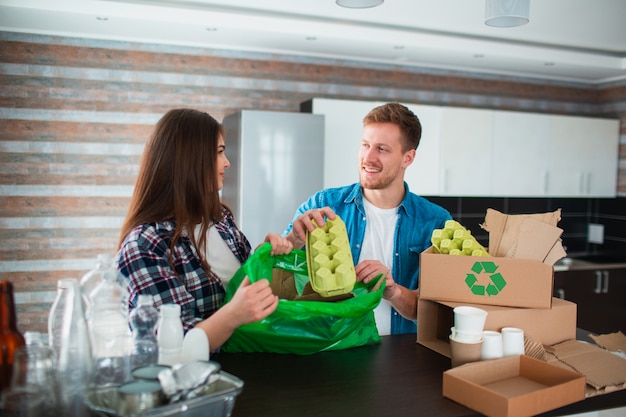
x=306, y=222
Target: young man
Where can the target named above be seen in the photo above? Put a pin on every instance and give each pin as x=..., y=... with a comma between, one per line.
x=388, y=226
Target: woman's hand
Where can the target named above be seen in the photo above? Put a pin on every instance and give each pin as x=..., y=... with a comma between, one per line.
x=306, y=222
x=280, y=245
x=252, y=302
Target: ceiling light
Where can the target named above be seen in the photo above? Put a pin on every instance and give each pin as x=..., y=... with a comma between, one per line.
x=506, y=13
x=359, y=4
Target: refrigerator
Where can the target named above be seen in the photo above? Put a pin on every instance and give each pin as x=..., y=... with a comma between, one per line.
x=277, y=162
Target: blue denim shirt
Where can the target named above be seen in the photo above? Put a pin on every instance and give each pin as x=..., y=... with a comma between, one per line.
x=417, y=218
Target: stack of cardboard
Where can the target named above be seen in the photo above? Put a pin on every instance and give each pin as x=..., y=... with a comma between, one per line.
x=514, y=285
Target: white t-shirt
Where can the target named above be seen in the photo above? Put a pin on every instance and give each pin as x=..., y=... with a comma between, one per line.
x=378, y=245
x=220, y=258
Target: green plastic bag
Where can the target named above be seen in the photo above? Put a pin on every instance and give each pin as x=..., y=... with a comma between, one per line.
x=304, y=327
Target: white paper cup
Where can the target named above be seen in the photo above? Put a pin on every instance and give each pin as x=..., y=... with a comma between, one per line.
x=512, y=341
x=469, y=319
x=492, y=345
x=465, y=336
x=463, y=352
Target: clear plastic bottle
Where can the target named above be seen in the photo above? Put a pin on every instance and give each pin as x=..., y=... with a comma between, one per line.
x=170, y=335
x=107, y=319
x=91, y=279
x=144, y=319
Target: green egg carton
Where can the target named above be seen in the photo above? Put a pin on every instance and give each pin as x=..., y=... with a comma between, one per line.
x=329, y=259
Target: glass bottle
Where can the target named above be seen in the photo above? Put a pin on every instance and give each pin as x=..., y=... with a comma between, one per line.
x=74, y=368
x=170, y=335
x=10, y=337
x=57, y=311
x=143, y=320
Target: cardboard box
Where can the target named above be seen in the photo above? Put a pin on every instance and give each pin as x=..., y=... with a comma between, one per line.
x=545, y=326
x=516, y=386
x=509, y=282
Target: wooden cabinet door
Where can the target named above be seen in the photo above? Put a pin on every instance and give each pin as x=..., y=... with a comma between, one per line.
x=599, y=295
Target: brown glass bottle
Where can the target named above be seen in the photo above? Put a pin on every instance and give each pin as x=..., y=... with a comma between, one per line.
x=10, y=337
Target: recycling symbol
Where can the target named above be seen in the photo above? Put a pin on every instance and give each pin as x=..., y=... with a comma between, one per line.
x=496, y=281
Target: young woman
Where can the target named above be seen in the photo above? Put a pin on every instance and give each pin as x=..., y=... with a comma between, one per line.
x=175, y=212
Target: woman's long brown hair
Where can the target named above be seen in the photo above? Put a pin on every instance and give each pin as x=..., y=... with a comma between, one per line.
x=177, y=177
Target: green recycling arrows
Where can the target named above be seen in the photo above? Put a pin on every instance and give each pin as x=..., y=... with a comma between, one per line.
x=496, y=280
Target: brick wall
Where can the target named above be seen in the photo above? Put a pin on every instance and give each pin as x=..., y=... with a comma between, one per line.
x=75, y=113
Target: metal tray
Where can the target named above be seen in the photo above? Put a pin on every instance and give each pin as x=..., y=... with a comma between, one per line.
x=216, y=400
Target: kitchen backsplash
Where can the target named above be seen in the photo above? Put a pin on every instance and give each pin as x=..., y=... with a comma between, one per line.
x=576, y=214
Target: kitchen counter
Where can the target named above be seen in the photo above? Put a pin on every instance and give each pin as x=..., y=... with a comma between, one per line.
x=397, y=377
x=589, y=262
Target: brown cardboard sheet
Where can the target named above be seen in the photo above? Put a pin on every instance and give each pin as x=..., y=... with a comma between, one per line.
x=614, y=342
x=504, y=228
x=604, y=371
x=534, y=240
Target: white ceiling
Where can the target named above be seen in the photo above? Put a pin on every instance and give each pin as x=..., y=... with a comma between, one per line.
x=582, y=41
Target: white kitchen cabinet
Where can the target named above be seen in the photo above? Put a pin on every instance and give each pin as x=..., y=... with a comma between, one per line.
x=584, y=157
x=343, y=130
x=479, y=152
x=521, y=159
x=466, y=149
x=423, y=175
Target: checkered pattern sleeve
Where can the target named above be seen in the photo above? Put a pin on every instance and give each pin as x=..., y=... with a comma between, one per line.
x=144, y=260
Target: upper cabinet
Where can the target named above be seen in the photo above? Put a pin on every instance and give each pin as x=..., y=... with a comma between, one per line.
x=343, y=130
x=520, y=154
x=423, y=175
x=584, y=157
x=478, y=152
x=466, y=147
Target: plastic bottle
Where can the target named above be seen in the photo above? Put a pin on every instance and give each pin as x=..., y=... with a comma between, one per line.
x=10, y=337
x=107, y=319
x=91, y=279
x=144, y=320
x=75, y=361
x=55, y=317
x=170, y=335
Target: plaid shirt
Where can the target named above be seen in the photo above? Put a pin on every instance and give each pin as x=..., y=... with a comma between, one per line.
x=143, y=259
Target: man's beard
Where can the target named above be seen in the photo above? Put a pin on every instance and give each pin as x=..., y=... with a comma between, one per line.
x=381, y=182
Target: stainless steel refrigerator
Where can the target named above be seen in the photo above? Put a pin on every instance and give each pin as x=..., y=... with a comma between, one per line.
x=277, y=162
